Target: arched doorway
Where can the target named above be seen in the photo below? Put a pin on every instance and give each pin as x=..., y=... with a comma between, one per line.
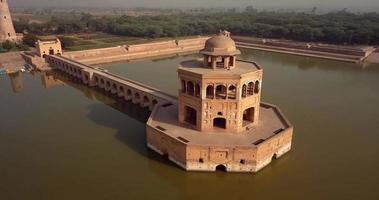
x=221, y=168
x=191, y=116
x=248, y=116
x=219, y=123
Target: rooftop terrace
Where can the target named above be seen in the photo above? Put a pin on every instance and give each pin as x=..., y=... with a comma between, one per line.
x=271, y=122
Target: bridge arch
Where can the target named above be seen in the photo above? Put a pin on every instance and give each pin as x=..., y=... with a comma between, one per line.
x=121, y=91
x=114, y=88
x=137, y=98
x=145, y=101
x=108, y=85
x=129, y=95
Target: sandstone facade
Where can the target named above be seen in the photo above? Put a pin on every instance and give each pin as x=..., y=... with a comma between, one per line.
x=219, y=121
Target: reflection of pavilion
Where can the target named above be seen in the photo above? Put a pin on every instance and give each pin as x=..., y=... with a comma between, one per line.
x=17, y=81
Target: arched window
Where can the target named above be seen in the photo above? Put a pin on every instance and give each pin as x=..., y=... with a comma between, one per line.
x=197, y=90
x=250, y=88
x=244, y=91
x=221, y=92
x=190, y=88
x=210, y=92
x=184, y=86
x=256, y=89
x=232, y=92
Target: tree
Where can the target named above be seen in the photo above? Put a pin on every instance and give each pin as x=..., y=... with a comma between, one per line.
x=29, y=39
x=8, y=45
x=67, y=41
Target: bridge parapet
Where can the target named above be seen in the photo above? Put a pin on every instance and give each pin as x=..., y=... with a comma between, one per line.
x=121, y=87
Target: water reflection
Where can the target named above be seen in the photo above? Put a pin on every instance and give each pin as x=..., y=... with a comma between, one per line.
x=17, y=81
x=126, y=107
x=49, y=80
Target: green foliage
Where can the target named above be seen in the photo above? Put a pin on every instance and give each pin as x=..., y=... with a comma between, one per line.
x=29, y=39
x=67, y=41
x=337, y=27
x=8, y=45
x=22, y=47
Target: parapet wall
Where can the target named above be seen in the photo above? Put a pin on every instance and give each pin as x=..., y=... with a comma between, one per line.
x=335, y=52
x=130, y=52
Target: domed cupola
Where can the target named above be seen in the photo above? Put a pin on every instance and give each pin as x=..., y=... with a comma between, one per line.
x=220, y=52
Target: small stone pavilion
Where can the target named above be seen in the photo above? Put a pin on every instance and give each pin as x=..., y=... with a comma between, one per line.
x=219, y=121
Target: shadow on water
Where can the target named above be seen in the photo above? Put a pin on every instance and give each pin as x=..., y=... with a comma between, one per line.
x=126, y=133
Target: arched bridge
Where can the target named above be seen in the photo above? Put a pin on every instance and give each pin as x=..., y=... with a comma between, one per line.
x=130, y=90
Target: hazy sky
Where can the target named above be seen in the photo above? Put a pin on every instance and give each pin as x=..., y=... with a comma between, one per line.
x=372, y=5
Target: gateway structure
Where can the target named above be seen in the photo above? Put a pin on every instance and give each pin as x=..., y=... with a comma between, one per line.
x=219, y=121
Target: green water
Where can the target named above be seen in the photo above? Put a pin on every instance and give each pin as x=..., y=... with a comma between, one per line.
x=71, y=142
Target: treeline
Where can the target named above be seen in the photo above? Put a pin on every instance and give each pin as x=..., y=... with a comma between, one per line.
x=338, y=27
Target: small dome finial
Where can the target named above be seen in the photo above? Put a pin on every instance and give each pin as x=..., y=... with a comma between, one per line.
x=225, y=33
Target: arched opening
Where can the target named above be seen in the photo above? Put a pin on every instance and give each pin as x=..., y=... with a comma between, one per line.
x=221, y=168
x=191, y=116
x=197, y=90
x=256, y=89
x=232, y=92
x=154, y=102
x=96, y=80
x=244, y=91
x=250, y=88
x=248, y=116
x=129, y=93
x=190, y=88
x=102, y=82
x=210, y=92
x=137, y=96
x=220, y=62
x=44, y=56
x=146, y=100
x=221, y=92
x=121, y=90
x=274, y=157
x=114, y=87
x=219, y=123
x=108, y=84
x=86, y=77
x=184, y=86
